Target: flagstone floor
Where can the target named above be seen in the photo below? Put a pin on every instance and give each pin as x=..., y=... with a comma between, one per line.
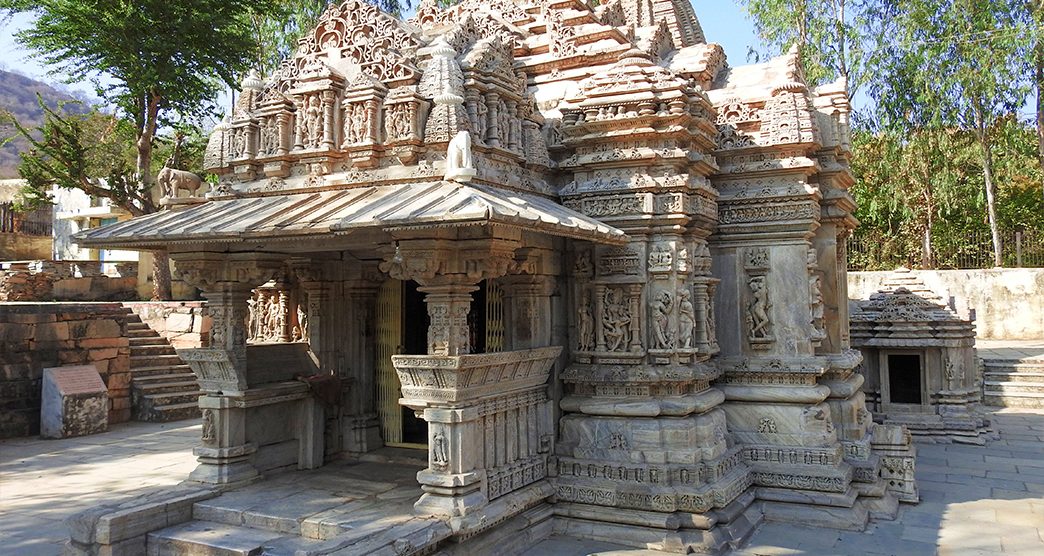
x=975, y=500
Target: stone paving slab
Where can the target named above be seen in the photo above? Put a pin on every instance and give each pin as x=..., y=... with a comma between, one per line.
x=976, y=500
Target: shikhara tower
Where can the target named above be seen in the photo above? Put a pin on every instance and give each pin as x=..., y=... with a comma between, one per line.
x=661, y=237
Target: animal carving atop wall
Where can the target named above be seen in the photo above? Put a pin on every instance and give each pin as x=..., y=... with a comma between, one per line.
x=171, y=181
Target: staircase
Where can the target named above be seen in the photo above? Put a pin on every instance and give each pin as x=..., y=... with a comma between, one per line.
x=1012, y=382
x=163, y=388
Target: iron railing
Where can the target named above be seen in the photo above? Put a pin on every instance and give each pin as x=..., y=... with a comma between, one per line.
x=35, y=223
x=874, y=251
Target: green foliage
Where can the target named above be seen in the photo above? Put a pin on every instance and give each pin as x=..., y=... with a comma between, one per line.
x=75, y=151
x=931, y=181
x=829, y=34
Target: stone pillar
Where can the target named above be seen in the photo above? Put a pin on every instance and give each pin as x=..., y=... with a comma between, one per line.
x=448, y=307
x=226, y=281
x=527, y=308
x=361, y=429
x=493, y=132
x=328, y=119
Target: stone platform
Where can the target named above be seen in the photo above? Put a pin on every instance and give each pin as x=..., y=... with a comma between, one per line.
x=975, y=500
x=344, y=508
x=1013, y=372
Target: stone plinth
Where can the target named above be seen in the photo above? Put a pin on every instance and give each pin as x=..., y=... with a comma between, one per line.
x=75, y=402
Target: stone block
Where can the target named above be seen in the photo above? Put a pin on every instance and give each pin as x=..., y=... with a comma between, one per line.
x=102, y=366
x=95, y=328
x=119, y=381
x=92, y=343
x=14, y=332
x=179, y=322
x=67, y=357
x=75, y=402
x=51, y=332
x=105, y=353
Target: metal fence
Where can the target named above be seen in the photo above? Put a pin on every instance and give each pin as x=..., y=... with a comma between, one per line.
x=1019, y=248
x=35, y=223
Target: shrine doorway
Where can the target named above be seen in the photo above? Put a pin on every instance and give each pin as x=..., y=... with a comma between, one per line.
x=402, y=329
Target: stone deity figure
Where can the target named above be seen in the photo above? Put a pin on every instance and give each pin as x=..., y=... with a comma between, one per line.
x=662, y=305
x=274, y=319
x=686, y=319
x=816, y=302
x=209, y=434
x=302, y=321
x=757, y=310
x=459, y=164
x=252, y=319
x=585, y=324
x=616, y=319
x=480, y=127
x=314, y=117
x=439, y=455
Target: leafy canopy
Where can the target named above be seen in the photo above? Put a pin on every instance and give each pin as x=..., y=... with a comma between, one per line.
x=178, y=52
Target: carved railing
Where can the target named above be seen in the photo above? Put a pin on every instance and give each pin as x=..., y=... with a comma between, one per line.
x=489, y=424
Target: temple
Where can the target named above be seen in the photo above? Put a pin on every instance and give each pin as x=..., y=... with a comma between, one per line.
x=595, y=272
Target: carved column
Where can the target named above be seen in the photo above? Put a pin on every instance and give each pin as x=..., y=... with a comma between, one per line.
x=527, y=301
x=448, y=307
x=360, y=430
x=493, y=131
x=328, y=119
x=226, y=282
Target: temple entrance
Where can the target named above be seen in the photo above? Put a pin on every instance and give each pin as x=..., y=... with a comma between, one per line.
x=905, y=378
x=402, y=329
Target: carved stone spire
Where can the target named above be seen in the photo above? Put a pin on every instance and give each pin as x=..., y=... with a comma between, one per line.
x=443, y=83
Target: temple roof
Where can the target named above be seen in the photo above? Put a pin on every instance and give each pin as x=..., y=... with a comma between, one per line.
x=339, y=212
x=904, y=311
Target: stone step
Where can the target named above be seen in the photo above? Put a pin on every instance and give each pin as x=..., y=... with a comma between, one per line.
x=1013, y=365
x=1014, y=376
x=137, y=325
x=167, y=387
x=173, y=412
x=176, y=375
x=149, y=333
x=208, y=538
x=153, y=370
x=147, y=340
x=1013, y=388
x=152, y=349
x=1026, y=400
x=172, y=398
x=139, y=361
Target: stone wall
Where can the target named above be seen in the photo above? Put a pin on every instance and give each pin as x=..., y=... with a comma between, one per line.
x=1008, y=303
x=186, y=324
x=67, y=281
x=16, y=247
x=35, y=336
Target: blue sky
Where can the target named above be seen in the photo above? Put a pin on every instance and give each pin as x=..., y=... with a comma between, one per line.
x=723, y=21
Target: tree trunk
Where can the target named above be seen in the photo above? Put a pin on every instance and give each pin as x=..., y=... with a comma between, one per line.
x=991, y=202
x=161, y=290
x=1038, y=74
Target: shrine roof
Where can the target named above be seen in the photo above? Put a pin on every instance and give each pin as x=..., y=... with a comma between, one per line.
x=339, y=212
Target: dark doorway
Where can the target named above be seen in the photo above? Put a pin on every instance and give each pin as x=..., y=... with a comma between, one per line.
x=415, y=322
x=904, y=377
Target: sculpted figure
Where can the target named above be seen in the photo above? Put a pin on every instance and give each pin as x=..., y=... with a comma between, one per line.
x=816, y=301
x=302, y=320
x=585, y=324
x=252, y=318
x=615, y=321
x=757, y=310
x=209, y=434
x=273, y=319
x=171, y=181
x=686, y=319
x=439, y=455
x=459, y=165
x=314, y=117
x=662, y=305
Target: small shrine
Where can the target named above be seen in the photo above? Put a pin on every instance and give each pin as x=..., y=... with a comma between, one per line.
x=593, y=274
x=919, y=362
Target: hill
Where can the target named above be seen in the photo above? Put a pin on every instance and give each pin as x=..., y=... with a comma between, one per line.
x=18, y=96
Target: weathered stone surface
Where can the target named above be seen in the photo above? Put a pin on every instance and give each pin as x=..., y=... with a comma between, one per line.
x=75, y=402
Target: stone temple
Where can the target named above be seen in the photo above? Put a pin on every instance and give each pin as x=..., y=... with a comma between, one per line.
x=595, y=272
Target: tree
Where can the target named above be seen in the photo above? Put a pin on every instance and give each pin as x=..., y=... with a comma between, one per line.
x=165, y=59
x=952, y=63
x=828, y=34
